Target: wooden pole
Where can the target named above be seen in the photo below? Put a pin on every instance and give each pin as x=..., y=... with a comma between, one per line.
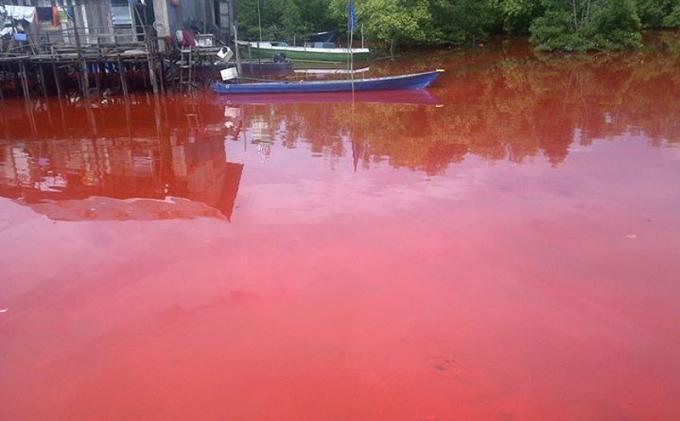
x=259, y=21
x=351, y=58
x=161, y=73
x=238, y=56
x=348, y=41
x=2, y=95
x=24, y=80
x=41, y=75
x=362, y=36
x=57, y=79
x=17, y=83
x=133, y=16
x=83, y=63
x=150, y=61
x=205, y=16
x=98, y=78
x=123, y=77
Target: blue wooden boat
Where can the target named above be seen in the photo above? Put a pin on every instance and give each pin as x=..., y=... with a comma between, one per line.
x=403, y=82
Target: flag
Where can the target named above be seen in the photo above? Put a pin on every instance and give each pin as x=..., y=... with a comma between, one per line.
x=351, y=16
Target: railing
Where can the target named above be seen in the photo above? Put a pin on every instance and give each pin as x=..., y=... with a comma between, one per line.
x=45, y=42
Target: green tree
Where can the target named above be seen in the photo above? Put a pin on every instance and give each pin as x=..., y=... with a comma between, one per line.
x=673, y=18
x=394, y=21
x=283, y=19
x=654, y=13
x=569, y=25
x=461, y=21
x=515, y=16
x=584, y=25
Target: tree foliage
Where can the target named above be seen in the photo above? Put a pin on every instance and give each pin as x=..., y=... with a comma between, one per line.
x=283, y=19
x=570, y=25
x=582, y=25
x=659, y=13
x=515, y=16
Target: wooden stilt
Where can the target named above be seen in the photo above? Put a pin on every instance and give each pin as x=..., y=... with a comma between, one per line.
x=85, y=77
x=2, y=94
x=17, y=85
x=161, y=72
x=98, y=78
x=43, y=83
x=132, y=79
x=24, y=80
x=55, y=74
x=146, y=85
x=31, y=117
x=82, y=63
x=123, y=81
x=152, y=76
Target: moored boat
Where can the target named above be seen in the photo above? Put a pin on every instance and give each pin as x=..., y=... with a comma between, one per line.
x=326, y=72
x=266, y=49
x=260, y=66
x=402, y=82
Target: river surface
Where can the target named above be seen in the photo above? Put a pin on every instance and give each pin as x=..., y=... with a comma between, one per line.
x=503, y=246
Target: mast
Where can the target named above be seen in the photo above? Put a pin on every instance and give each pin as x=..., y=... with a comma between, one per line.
x=351, y=23
x=259, y=22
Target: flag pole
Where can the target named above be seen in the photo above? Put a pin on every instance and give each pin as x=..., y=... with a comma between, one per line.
x=351, y=23
x=351, y=59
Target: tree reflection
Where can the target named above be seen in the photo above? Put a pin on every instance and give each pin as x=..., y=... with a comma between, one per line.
x=508, y=105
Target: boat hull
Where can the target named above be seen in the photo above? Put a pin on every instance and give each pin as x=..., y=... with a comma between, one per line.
x=405, y=82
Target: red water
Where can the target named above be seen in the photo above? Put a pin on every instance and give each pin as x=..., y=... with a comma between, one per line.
x=512, y=254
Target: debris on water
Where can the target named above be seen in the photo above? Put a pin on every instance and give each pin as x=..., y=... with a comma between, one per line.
x=443, y=364
x=631, y=236
x=4, y=310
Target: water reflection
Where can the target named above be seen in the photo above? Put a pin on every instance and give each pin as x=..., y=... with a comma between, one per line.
x=167, y=158
x=416, y=97
x=505, y=104
x=117, y=162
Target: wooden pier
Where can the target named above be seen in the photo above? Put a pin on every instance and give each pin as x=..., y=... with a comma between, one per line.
x=135, y=63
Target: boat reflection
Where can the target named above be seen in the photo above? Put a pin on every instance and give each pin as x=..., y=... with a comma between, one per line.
x=416, y=97
x=111, y=170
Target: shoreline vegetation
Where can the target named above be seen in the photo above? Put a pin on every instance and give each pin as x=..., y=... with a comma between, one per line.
x=551, y=25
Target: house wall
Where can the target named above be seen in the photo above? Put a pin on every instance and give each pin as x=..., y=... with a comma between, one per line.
x=200, y=13
x=211, y=15
x=97, y=14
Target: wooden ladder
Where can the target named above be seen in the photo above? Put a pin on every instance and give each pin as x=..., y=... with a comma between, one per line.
x=186, y=69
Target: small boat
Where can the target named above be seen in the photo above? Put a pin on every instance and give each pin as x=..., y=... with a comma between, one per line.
x=403, y=82
x=267, y=49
